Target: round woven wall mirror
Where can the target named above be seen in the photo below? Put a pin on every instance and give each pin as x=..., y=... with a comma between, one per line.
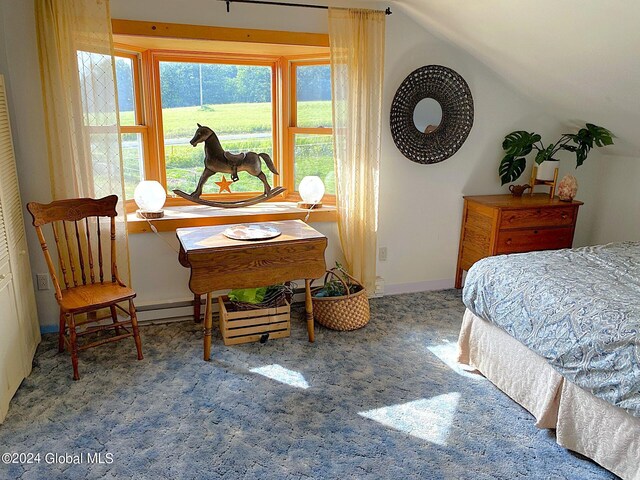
x=431, y=114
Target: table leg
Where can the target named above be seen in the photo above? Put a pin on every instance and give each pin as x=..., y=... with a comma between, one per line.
x=309, y=309
x=208, y=325
x=196, y=308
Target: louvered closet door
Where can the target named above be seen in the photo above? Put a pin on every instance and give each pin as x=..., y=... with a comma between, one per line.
x=12, y=344
x=4, y=245
x=15, y=231
x=19, y=329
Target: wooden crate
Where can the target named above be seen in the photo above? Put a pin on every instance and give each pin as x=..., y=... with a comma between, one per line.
x=249, y=325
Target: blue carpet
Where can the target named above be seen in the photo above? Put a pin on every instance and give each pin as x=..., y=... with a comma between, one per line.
x=386, y=401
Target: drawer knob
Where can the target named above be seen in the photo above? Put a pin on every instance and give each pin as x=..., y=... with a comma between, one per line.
x=512, y=218
x=564, y=216
x=509, y=241
x=538, y=211
x=535, y=232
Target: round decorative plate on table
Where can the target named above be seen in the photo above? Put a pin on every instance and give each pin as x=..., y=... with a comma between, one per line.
x=251, y=232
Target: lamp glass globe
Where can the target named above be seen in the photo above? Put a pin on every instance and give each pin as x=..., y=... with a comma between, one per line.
x=311, y=189
x=150, y=196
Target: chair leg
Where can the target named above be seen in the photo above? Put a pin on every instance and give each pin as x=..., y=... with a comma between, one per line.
x=134, y=327
x=62, y=326
x=114, y=317
x=74, y=346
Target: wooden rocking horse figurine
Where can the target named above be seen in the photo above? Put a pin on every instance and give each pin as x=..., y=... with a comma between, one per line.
x=216, y=159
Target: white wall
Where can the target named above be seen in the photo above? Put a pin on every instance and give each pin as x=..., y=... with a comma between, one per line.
x=420, y=207
x=618, y=200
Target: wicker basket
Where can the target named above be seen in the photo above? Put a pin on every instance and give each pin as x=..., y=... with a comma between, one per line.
x=348, y=312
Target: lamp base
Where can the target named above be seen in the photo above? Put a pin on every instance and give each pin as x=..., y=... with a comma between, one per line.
x=149, y=215
x=308, y=206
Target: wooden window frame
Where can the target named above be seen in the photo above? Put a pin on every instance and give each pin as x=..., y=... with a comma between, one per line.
x=157, y=56
x=140, y=125
x=283, y=97
x=293, y=129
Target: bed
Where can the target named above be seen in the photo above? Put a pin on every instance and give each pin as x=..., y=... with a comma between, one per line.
x=559, y=332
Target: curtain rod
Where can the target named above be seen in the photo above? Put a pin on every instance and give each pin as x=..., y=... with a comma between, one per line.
x=285, y=4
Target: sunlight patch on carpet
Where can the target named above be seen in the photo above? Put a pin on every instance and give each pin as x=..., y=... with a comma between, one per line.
x=283, y=375
x=428, y=418
x=448, y=353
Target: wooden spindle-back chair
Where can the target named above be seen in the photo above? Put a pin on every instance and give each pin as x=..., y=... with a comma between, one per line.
x=85, y=289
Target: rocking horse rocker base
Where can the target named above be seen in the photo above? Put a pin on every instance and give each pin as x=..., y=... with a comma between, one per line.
x=237, y=204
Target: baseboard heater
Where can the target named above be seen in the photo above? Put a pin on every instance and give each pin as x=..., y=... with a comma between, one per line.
x=181, y=310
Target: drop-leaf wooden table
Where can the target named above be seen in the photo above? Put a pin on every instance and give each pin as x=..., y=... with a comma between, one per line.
x=218, y=263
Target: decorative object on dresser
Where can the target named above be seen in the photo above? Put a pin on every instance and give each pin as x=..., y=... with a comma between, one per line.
x=342, y=302
x=19, y=327
x=518, y=190
x=517, y=145
x=545, y=174
x=568, y=188
x=447, y=119
x=86, y=292
x=501, y=224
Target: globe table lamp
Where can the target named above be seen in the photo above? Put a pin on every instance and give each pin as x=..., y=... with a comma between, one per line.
x=311, y=191
x=150, y=196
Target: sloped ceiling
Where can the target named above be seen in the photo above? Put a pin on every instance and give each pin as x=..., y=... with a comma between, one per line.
x=579, y=59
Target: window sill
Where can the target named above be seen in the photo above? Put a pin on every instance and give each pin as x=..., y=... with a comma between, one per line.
x=200, y=215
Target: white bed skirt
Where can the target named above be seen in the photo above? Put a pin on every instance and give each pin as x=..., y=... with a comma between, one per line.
x=584, y=423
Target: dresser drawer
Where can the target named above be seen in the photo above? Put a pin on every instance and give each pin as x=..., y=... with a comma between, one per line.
x=537, y=217
x=534, y=239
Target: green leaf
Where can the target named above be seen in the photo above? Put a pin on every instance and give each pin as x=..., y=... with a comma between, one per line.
x=585, y=140
x=511, y=168
x=519, y=143
x=582, y=151
x=601, y=136
x=545, y=154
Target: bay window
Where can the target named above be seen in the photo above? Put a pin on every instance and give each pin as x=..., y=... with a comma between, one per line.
x=255, y=100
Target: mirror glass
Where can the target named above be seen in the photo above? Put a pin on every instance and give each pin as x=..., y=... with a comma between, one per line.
x=427, y=115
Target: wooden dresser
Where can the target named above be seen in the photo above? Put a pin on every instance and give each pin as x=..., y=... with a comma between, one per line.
x=500, y=224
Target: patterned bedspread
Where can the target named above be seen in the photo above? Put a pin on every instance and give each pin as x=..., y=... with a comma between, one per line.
x=579, y=309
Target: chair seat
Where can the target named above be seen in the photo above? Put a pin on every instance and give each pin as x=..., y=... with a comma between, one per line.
x=93, y=296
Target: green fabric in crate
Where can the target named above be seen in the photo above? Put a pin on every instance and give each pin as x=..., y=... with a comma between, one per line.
x=248, y=295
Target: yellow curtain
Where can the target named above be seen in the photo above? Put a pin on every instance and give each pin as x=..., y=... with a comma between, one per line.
x=356, y=39
x=77, y=68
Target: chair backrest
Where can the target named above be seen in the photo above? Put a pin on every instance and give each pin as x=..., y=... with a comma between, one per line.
x=66, y=219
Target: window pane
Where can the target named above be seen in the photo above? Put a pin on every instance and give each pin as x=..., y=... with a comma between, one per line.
x=126, y=96
x=313, y=95
x=133, y=161
x=233, y=100
x=96, y=89
x=314, y=156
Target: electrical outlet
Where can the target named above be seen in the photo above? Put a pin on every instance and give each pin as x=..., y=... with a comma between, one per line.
x=42, y=280
x=382, y=254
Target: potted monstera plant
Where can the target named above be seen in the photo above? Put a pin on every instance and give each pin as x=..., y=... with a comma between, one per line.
x=517, y=145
